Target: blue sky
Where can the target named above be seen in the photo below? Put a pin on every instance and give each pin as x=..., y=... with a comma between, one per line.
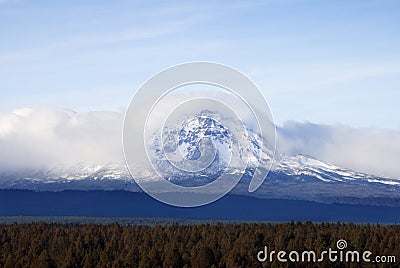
x=325, y=62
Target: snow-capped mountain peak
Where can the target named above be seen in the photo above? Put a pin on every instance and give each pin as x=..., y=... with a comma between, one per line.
x=199, y=139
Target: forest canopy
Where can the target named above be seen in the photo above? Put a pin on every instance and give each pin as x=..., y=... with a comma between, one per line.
x=203, y=245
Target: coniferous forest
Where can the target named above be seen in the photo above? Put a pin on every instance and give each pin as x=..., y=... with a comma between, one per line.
x=203, y=245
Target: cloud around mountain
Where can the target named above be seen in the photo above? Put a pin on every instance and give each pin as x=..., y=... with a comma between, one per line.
x=38, y=138
x=369, y=150
x=45, y=137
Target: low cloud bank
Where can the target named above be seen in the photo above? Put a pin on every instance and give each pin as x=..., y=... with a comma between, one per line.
x=46, y=137
x=369, y=150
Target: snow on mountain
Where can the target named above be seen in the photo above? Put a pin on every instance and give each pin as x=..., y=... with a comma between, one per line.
x=301, y=165
x=62, y=175
x=197, y=151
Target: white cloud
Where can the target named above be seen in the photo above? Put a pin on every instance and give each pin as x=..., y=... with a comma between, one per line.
x=370, y=150
x=45, y=137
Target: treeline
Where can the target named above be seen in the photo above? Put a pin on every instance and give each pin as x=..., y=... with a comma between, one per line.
x=220, y=245
x=110, y=220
